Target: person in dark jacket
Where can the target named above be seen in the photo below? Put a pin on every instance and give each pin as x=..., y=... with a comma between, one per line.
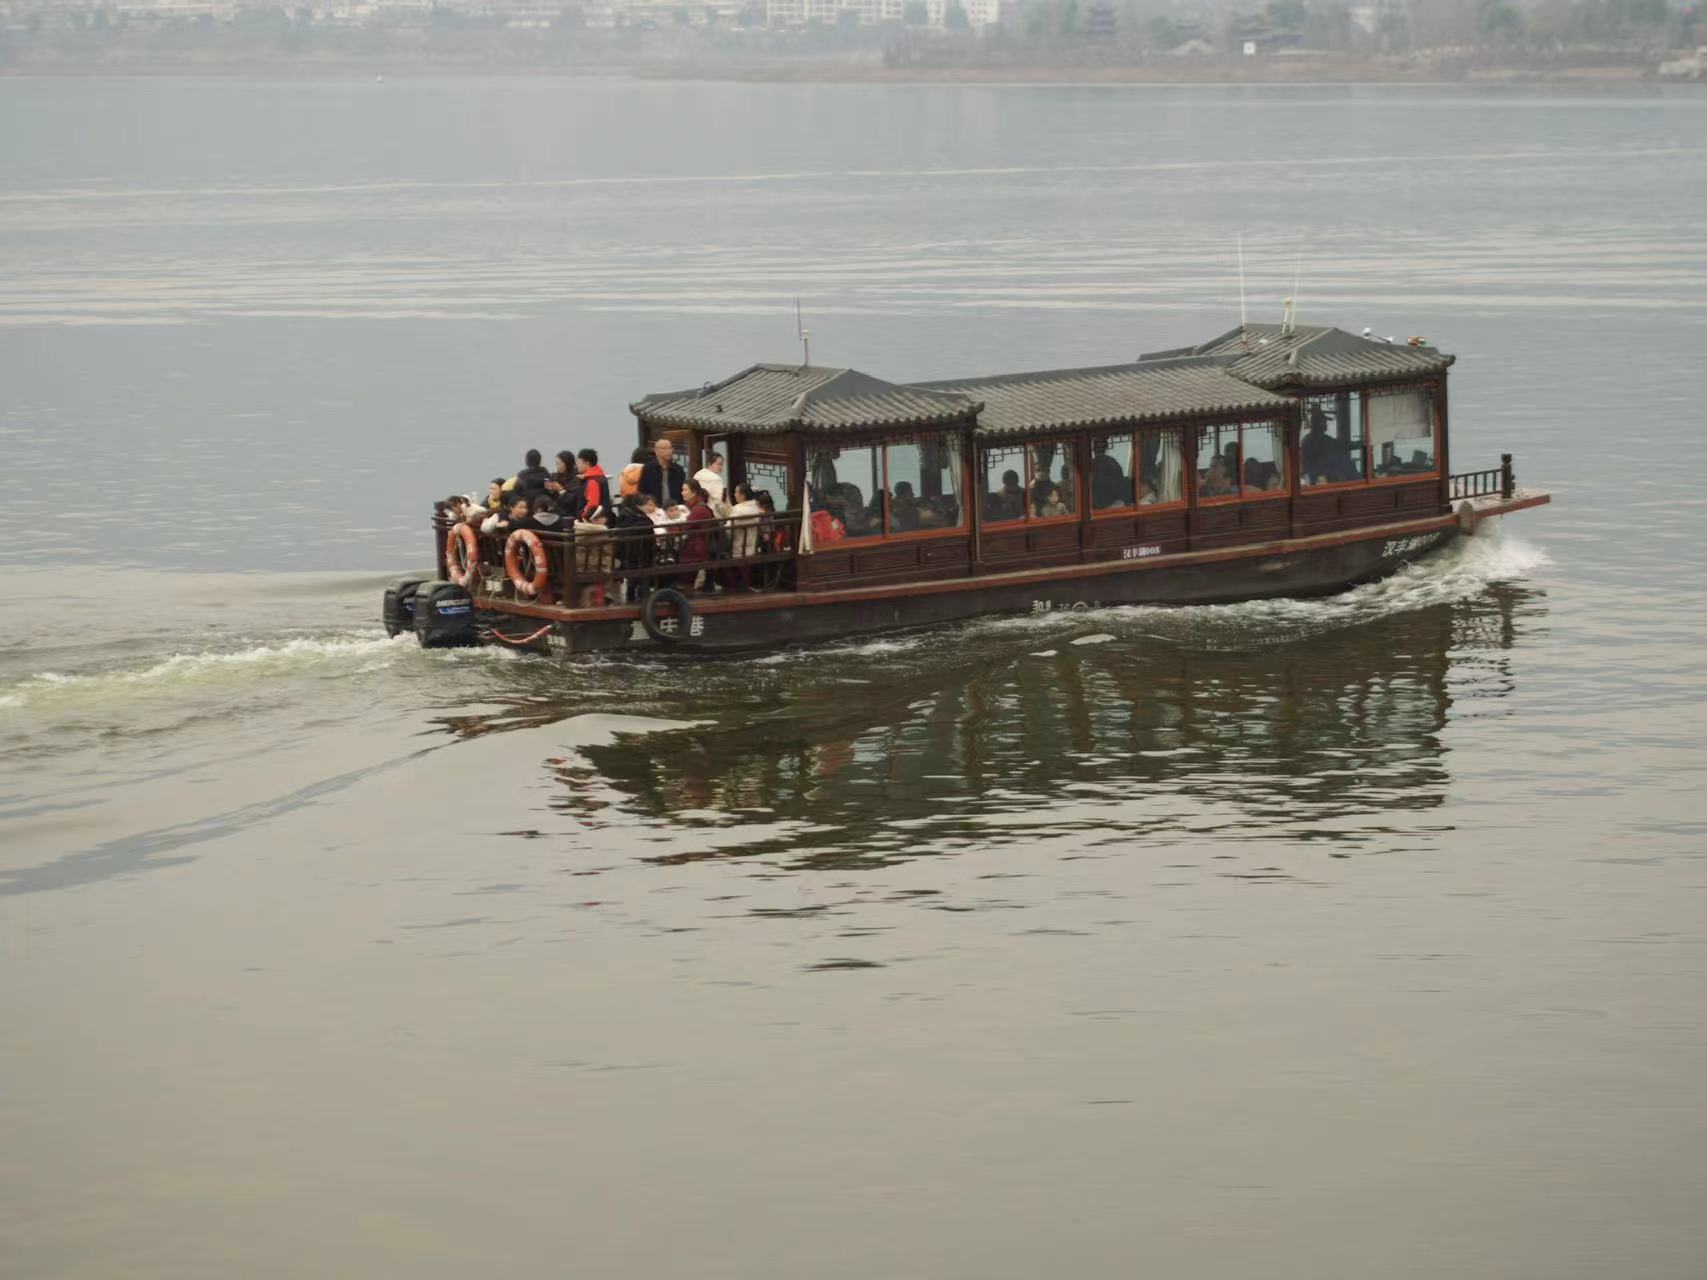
x=662, y=476
x=636, y=539
x=563, y=484
x=530, y=480
x=503, y=523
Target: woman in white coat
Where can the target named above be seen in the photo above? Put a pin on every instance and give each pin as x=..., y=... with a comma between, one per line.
x=744, y=519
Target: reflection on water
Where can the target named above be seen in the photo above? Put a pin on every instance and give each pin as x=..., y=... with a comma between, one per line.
x=1113, y=730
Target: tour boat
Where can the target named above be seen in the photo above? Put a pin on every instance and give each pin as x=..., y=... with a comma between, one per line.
x=1274, y=460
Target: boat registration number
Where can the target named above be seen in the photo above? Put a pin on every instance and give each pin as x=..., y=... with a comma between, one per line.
x=1141, y=553
x=696, y=627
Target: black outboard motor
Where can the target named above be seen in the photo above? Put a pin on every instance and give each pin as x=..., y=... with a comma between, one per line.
x=444, y=615
x=397, y=610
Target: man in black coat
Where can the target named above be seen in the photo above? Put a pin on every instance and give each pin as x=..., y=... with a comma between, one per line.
x=662, y=476
x=530, y=480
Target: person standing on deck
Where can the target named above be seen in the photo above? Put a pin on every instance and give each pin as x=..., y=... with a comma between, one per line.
x=696, y=546
x=595, y=486
x=530, y=480
x=662, y=476
x=628, y=479
x=710, y=478
x=563, y=484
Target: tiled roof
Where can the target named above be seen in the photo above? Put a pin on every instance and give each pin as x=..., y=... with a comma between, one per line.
x=1109, y=395
x=775, y=397
x=1314, y=355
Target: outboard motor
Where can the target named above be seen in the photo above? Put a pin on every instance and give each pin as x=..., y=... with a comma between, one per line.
x=397, y=610
x=444, y=615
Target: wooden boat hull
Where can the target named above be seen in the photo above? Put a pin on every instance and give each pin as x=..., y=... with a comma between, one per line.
x=1303, y=567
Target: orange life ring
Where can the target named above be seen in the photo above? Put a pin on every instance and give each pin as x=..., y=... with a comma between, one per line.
x=513, y=562
x=462, y=555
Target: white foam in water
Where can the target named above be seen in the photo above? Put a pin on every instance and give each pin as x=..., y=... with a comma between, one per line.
x=291, y=656
x=1463, y=570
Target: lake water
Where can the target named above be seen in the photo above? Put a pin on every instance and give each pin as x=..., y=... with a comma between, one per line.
x=1361, y=937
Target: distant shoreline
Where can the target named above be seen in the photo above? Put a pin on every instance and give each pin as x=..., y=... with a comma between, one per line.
x=1361, y=74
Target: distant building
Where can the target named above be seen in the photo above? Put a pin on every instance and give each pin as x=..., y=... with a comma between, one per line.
x=870, y=13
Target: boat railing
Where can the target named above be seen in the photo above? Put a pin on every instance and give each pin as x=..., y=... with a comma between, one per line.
x=1482, y=484
x=589, y=566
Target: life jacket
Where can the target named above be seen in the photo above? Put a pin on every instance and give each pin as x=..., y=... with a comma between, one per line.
x=595, y=492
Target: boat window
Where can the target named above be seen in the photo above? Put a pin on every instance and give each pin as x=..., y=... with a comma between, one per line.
x=1161, y=468
x=1004, y=480
x=1264, y=450
x=1111, y=472
x=924, y=484
x=847, y=481
x=772, y=476
x=1331, y=448
x=1218, y=462
x=1237, y=460
x=1051, y=484
x=1401, y=433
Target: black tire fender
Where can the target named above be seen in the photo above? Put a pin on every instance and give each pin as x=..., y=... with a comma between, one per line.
x=684, y=615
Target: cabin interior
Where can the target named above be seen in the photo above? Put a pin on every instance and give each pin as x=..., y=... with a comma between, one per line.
x=1262, y=433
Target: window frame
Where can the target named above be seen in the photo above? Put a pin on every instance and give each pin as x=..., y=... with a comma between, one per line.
x=1432, y=389
x=882, y=444
x=1067, y=442
x=1239, y=495
x=1136, y=508
x=1432, y=394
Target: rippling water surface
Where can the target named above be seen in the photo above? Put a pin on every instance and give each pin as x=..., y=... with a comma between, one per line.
x=1349, y=938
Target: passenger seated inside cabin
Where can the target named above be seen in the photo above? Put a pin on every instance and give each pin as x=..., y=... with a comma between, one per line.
x=904, y=509
x=856, y=517
x=1322, y=458
x=1147, y=493
x=1008, y=502
x=1052, y=505
x=1261, y=476
x=1109, y=488
x=1215, y=482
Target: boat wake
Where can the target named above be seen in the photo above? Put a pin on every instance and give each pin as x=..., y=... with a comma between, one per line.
x=348, y=654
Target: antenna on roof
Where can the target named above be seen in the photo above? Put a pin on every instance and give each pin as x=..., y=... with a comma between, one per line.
x=805, y=335
x=1289, y=306
x=1241, y=283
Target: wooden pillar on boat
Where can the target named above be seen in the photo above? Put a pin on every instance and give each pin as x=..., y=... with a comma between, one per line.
x=1440, y=450
x=439, y=542
x=1188, y=448
x=1294, y=462
x=1082, y=488
x=971, y=487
